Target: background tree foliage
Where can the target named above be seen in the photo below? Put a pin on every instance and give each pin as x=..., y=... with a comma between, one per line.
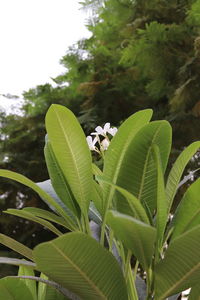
x=140, y=54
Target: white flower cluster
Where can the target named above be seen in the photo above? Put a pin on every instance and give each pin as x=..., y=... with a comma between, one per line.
x=99, y=131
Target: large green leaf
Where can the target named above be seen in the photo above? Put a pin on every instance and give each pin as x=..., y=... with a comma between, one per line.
x=177, y=171
x=24, y=180
x=27, y=215
x=117, y=150
x=27, y=271
x=80, y=264
x=130, y=203
x=135, y=235
x=71, y=151
x=137, y=173
x=58, y=180
x=180, y=269
x=14, y=289
x=16, y=246
x=188, y=212
x=161, y=215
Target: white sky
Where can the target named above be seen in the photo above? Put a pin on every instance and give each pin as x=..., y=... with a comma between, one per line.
x=34, y=35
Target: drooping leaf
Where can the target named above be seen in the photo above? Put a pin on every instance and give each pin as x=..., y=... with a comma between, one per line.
x=118, y=148
x=177, y=171
x=14, y=289
x=188, y=212
x=27, y=215
x=24, y=180
x=45, y=214
x=16, y=246
x=135, y=235
x=180, y=269
x=71, y=151
x=58, y=180
x=80, y=264
x=27, y=271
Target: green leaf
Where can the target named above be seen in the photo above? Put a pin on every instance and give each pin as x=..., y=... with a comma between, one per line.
x=72, y=152
x=195, y=293
x=80, y=264
x=177, y=171
x=161, y=215
x=117, y=151
x=14, y=289
x=27, y=271
x=24, y=180
x=133, y=204
x=45, y=214
x=31, y=217
x=135, y=235
x=180, y=269
x=16, y=246
x=58, y=180
x=137, y=172
x=188, y=212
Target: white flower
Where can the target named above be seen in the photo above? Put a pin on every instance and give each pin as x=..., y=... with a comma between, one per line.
x=101, y=131
x=102, y=146
x=91, y=143
x=112, y=131
x=105, y=143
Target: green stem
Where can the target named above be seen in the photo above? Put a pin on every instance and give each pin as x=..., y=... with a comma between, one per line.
x=103, y=228
x=111, y=237
x=132, y=292
x=127, y=263
x=149, y=284
x=87, y=225
x=135, y=270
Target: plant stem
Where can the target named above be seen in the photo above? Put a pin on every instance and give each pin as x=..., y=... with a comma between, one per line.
x=135, y=270
x=111, y=237
x=127, y=263
x=103, y=227
x=87, y=225
x=131, y=285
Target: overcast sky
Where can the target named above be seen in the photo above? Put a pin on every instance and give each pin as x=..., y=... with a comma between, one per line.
x=35, y=34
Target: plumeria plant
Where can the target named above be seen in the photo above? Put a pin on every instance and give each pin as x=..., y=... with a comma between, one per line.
x=123, y=242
